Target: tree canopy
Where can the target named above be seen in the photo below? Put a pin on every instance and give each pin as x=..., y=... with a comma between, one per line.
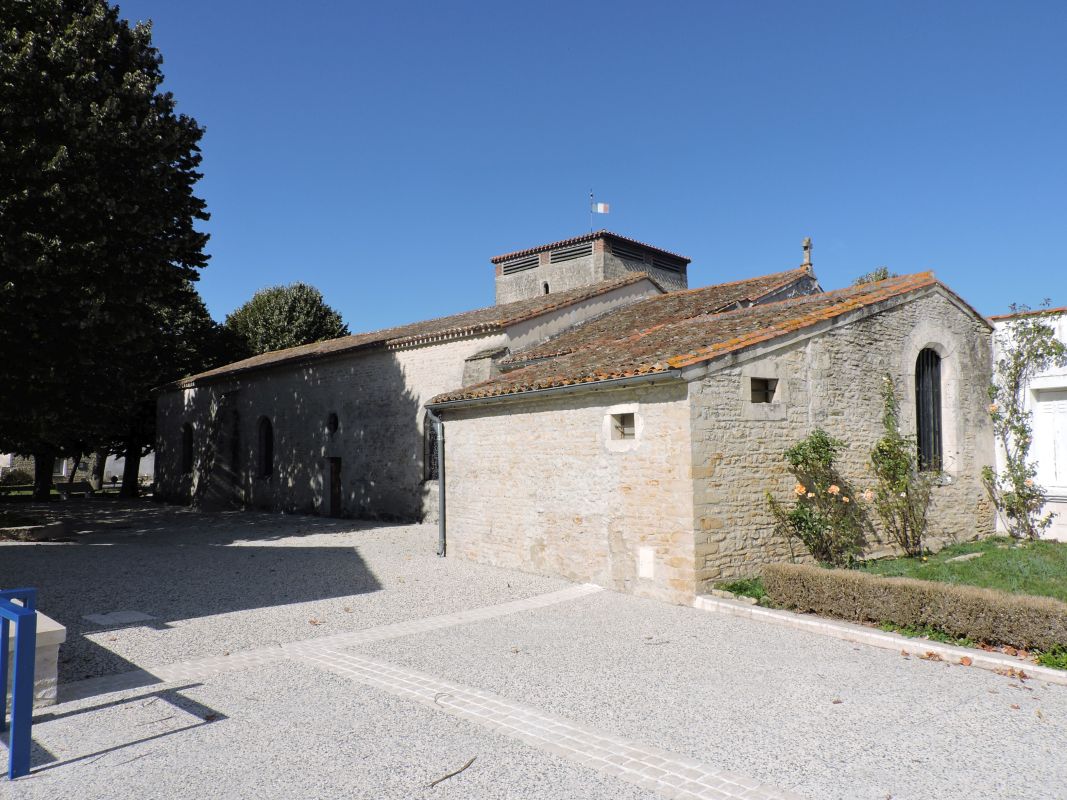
x=284, y=316
x=98, y=236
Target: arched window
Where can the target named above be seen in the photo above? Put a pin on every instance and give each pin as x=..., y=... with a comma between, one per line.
x=187, y=448
x=928, y=409
x=235, y=441
x=266, y=448
x=429, y=438
x=545, y=287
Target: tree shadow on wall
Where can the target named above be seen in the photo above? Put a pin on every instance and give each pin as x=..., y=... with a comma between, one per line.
x=337, y=437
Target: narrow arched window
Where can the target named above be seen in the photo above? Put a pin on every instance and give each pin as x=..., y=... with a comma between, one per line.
x=187, y=448
x=928, y=409
x=545, y=287
x=235, y=441
x=429, y=438
x=266, y=448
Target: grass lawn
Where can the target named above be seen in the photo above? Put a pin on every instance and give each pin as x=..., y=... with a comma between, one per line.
x=1021, y=568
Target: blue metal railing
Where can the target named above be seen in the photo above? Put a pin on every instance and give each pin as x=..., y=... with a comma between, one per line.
x=25, y=618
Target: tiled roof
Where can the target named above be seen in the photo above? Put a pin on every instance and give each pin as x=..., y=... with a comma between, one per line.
x=586, y=237
x=671, y=307
x=482, y=320
x=1031, y=313
x=676, y=343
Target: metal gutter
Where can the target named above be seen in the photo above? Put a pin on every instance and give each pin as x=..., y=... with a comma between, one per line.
x=439, y=424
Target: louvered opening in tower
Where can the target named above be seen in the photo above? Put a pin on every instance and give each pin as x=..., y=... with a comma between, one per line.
x=570, y=253
x=519, y=264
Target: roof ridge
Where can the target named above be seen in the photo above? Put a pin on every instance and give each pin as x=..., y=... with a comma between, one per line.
x=787, y=277
x=603, y=233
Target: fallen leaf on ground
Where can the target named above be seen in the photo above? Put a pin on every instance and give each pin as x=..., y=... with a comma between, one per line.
x=1015, y=706
x=314, y=621
x=930, y=655
x=837, y=701
x=966, y=661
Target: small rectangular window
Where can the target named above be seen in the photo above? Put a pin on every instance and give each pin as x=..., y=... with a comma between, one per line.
x=763, y=389
x=622, y=426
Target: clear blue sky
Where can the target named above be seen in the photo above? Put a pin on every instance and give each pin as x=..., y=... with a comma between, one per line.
x=385, y=151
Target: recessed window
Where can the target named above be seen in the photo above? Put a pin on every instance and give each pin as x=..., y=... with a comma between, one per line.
x=235, y=441
x=763, y=389
x=622, y=426
x=332, y=423
x=187, y=448
x=545, y=287
x=266, y=448
x=928, y=409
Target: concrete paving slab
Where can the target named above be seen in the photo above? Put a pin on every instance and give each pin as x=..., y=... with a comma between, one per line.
x=286, y=731
x=816, y=716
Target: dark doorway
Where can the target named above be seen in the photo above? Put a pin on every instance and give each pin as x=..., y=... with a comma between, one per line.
x=335, y=487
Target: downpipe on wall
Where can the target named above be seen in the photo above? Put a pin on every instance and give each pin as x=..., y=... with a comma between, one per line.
x=439, y=424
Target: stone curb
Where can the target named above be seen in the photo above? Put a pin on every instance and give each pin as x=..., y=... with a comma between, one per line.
x=851, y=632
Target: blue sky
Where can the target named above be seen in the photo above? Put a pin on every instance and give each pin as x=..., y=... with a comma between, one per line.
x=384, y=152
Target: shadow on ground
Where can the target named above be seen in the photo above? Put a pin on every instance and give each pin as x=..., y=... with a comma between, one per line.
x=173, y=565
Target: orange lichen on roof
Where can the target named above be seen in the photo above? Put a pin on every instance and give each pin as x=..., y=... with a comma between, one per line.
x=646, y=316
x=677, y=343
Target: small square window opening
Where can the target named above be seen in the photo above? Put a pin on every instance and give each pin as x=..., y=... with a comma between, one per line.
x=622, y=426
x=763, y=389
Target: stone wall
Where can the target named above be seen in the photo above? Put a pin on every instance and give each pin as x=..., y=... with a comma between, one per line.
x=559, y=277
x=378, y=398
x=833, y=381
x=541, y=485
x=615, y=267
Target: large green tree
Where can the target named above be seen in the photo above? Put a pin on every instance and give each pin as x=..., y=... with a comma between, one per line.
x=97, y=222
x=188, y=340
x=284, y=316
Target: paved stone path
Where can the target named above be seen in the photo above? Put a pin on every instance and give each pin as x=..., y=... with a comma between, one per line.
x=668, y=774
x=203, y=668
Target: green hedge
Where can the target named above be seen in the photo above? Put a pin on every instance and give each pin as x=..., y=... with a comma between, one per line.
x=970, y=612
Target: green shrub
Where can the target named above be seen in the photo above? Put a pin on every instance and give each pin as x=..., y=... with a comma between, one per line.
x=16, y=477
x=1056, y=658
x=982, y=615
x=825, y=516
x=902, y=495
x=745, y=587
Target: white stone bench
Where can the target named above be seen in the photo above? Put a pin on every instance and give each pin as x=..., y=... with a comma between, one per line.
x=50, y=635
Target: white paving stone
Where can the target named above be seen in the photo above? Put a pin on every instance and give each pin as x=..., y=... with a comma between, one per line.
x=650, y=768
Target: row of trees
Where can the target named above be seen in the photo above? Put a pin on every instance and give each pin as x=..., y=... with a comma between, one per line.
x=99, y=242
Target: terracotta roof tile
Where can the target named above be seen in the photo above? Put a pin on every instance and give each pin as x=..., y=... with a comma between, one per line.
x=658, y=310
x=675, y=343
x=1034, y=312
x=481, y=320
x=585, y=237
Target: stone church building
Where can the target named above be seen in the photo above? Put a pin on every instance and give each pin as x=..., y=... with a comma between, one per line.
x=602, y=421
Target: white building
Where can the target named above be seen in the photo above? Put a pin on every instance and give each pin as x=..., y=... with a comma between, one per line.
x=1047, y=399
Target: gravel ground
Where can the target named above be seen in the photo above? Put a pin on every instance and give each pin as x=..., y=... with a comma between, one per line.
x=263, y=741
x=226, y=582
x=822, y=717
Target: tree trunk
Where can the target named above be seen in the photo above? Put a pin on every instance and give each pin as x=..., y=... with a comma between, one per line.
x=130, y=470
x=96, y=476
x=43, y=464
